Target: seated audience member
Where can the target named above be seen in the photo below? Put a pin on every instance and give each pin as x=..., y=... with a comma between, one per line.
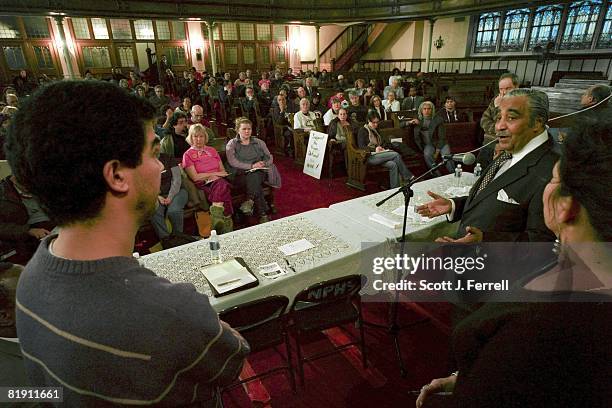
x=24, y=84
x=23, y=223
x=356, y=110
x=280, y=117
x=377, y=106
x=277, y=82
x=395, y=76
x=332, y=113
x=340, y=96
x=339, y=130
x=5, y=122
x=264, y=79
x=254, y=166
x=449, y=113
x=391, y=104
x=197, y=116
x=11, y=100
x=250, y=105
x=171, y=200
x=140, y=91
x=367, y=95
x=430, y=135
x=123, y=84
x=325, y=79
x=396, y=88
x=342, y=83
x=309, y=87
x=289, y=75
x=507, y=82
x=148, y=91
x=412, y=101
x=204, y=167
x=594, y=95
x=213, y=93
x=360, y=87
x=12, y=371
x=174, y=143
x=159, y=99
x=241, y=81
x=185, y=106
x=304, y=119
x=300, y=94
x=381, y=153
x=316, y=106
x=265, y=99
x=553, y=348
x=113, y=311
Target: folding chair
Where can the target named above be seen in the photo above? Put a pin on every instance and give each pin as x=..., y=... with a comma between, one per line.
x=262, y=323
x=322, y=306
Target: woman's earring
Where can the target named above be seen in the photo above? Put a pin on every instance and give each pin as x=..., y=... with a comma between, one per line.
x=556, y=247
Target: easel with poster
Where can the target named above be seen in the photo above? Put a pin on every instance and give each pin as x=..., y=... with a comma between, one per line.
x=315, y=153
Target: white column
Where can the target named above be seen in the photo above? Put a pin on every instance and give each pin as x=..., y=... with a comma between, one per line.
x=65, y=52
x=429, y=41
x=318, y=45
x=211, y=45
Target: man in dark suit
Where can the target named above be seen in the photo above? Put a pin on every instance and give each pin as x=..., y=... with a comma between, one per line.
x=505, y=204
x=412, y=101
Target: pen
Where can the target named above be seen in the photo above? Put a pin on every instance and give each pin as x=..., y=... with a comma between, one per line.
x=229, y=281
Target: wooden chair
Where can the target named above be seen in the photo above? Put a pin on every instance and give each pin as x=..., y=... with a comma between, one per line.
x=357, y=164
x=406, y=114
x=462, y=136
x=300, y=142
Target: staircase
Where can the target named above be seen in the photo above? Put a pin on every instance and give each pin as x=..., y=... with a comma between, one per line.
x=350, y=45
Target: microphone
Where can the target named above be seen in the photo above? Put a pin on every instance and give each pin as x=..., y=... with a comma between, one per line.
x=465, y=158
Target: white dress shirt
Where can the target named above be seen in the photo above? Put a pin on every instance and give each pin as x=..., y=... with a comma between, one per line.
x=395, y=105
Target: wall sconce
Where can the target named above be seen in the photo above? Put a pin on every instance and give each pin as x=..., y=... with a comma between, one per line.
x=439, y=43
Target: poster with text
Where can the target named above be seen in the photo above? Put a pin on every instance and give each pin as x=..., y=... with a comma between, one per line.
x=315, y=154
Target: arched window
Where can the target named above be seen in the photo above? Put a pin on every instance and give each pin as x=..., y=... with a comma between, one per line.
x=581, y=22
x=605, y=39
x=515, y=30
x=488, y=30
x=545, y=25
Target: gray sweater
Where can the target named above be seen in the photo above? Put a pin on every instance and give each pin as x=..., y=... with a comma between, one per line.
x=111, y=331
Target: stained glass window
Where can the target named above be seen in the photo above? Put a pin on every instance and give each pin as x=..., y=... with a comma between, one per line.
x=231, y=54
x=263, y=32
x=605, y=39
x=248, y=54
x=14, y=57
x=9, y=28
x=178, y=30
x=280, y=33
x=515, y=30
x=545, y=25
x=230, y=32
x=81, y=29
x=176, y=55
x=581, y=22
x=96, y=57
x=280, y=53
x=121, y=29
x=43, y=56
x=265, y=54
x=144, y=29
x=488, y=30
x=126, y=56
x=163, y=30
x=99, y=28
x=247, y=32
x=36, y=27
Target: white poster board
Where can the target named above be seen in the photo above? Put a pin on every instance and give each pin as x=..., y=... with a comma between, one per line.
x=315, y=153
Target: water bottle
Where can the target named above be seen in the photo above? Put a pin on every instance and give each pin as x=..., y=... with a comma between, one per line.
x=136, y=256
x=477, y=171
x=458, y=172
x=215, y=247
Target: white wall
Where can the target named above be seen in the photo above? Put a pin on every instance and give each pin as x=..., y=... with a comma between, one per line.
x=307, y=41
x=455, y=36
x=71, y=49
x=196, y=41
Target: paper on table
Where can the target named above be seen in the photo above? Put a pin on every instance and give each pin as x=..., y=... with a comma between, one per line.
x=397, y=140
x=387, y=222
x=458, y=191
x=227, y=276
x=296, y=247
x=272, y=270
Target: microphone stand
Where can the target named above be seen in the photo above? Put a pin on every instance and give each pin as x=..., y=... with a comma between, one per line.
x=393, y=326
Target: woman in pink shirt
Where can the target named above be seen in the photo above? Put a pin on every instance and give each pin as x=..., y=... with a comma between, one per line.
x=204, y=167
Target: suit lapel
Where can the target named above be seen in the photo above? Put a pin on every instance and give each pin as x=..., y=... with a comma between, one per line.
x=508, y=177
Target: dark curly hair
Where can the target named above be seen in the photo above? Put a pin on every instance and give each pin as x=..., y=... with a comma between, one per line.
x=61, y=138
x=585, y=169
